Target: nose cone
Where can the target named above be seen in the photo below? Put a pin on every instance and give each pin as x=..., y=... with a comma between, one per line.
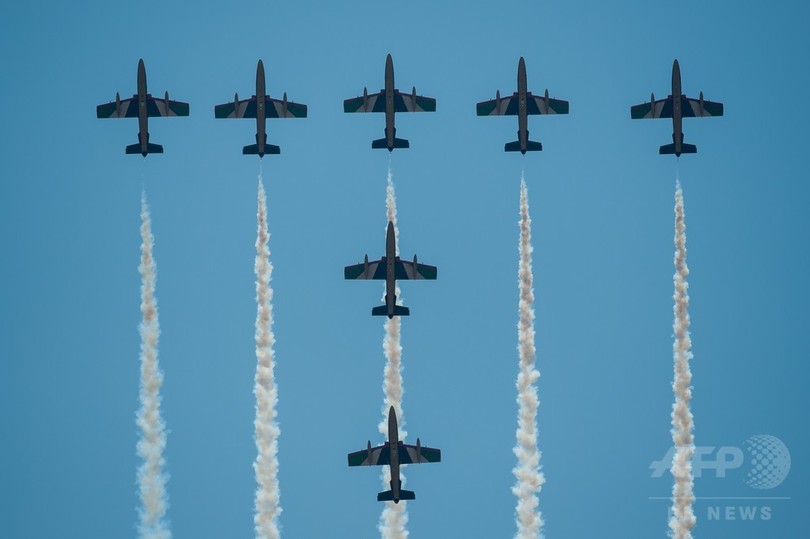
x=140, y=63
x=521, y=72
x=676, y=69
x=392, y=416
x=390, y=231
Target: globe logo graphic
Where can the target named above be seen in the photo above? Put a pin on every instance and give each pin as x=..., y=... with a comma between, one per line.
x=770, y=461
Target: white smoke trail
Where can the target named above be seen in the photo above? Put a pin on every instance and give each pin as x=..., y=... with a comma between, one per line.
x=151, y=476
x=267, y=504
x=683, y=518
x=527, y=472
x=394, y=517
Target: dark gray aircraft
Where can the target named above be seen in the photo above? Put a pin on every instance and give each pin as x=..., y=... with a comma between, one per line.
x=521, y=104
x=676, y=106
x=394, y=453
x=260, y=106
x=390, y=268
x=390, y=100
x=142, y=105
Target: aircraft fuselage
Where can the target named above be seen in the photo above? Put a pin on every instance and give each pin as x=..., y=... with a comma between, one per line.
x=390, y=131
x=260, y=112
x=393, y=444
x=523, y=116
x=143, y=114
x=677, y=115
x=390, y=270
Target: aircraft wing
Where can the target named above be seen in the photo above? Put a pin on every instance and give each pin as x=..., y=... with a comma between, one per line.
x=273, y=108
x=378, y=456
x=374, y=270
x=370, y=103
x=661, y=108
x=408, y=270
x=245, y=108
x=408, y=454
x=536, y=104
x=413, y=103
x=691, y=108
x=165, y=107
x=505, y=106
x=276, y=108
x=128, y=109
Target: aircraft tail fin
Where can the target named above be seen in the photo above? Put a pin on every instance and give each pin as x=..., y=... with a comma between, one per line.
x=531, y=146
x=253, y=149
x=383, y=143
x=388, y=495
x=150, y=148
x=382, y=310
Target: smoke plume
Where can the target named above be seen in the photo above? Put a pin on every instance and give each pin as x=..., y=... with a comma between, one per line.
x=527, y=472
x=683, y=518
x=151, y=475
x=267, y=504
x=394, y=517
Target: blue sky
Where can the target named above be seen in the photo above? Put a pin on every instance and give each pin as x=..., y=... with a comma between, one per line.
x=601, y=199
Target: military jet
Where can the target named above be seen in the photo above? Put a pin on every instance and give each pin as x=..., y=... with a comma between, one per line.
x=390, y=268
x=390, y=100
x=142, y=106
x=676, y=106
x=394, y=453
x=260, y=106
x=521, y=104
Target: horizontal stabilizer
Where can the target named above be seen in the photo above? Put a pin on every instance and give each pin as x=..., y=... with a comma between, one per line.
x=388, y=496
x=531, y=146
x=668, y=149
x=382, y=310
x=383, y=143
x=253, y=149
x=150, y=148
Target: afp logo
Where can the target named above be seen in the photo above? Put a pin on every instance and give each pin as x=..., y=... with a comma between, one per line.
x=764, y=459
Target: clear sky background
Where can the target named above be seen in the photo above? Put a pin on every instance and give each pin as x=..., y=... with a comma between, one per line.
x=601, y=199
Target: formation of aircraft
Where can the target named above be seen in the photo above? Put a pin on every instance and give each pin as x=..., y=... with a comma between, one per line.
x=676, y=106
x=261, y=106
x=390, y=267
x=521, y=104
x=394, y=453
x=390, y=100
x=142, y=106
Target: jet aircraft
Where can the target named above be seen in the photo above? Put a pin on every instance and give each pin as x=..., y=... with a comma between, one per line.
x=521, y=104
x=142, y=106
x=676, y=106
x=390, y=100
x=260, y=106
x=394, y=453
x=390, y=268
